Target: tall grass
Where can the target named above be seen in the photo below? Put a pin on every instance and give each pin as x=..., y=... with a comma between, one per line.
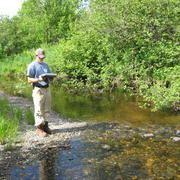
x=10, y=118
x=18, y=63
x=29, y=117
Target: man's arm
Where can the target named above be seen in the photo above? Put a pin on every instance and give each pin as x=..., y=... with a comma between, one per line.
x=34, y=80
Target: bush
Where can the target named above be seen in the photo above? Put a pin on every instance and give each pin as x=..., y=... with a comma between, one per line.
x=127, y=43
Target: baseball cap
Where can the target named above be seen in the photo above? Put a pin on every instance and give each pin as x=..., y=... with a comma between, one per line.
x=40, y=53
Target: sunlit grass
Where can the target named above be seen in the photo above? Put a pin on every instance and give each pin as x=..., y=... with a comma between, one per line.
x=18, y=63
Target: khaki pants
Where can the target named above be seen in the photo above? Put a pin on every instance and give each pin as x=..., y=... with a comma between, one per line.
x=42, y=104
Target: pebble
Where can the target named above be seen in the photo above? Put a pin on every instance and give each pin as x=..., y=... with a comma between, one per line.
x=106, y=147
x=148, y=135
x=176, y=139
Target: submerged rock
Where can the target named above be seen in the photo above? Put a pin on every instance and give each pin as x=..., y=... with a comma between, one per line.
x=106, y=147
x=178, y=132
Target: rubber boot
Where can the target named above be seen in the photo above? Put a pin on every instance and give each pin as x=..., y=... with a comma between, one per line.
x=46, y=128
x=40, y=130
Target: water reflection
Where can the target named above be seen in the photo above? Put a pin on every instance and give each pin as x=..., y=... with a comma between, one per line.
x=45, y=169
x=115, y=107
x=47, y=166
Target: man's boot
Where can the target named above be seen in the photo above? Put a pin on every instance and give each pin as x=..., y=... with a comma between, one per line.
x=40, y=130
x=46, y=128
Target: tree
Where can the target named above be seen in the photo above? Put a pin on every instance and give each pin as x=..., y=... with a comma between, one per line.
x=37, y=22
x=10, y=42
x=47, y=21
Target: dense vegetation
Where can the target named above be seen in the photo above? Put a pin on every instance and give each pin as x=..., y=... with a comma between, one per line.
x=129, y=44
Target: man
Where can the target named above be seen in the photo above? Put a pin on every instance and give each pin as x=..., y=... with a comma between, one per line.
x=41, y=92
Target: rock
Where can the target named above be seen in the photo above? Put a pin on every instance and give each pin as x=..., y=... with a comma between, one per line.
x=128, y=127
x=106, y=147
x=176, y=139
x=178, y=132
x=148, y=135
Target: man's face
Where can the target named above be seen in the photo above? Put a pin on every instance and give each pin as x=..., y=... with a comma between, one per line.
x=40, y=59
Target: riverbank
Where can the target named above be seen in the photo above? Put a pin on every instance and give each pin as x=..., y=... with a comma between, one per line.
x=112, y=145
x=28, y=144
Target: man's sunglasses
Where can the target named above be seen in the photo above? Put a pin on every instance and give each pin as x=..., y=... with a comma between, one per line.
x=41, y=58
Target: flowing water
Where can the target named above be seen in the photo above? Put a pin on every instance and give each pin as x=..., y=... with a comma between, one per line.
x=115, y=107
x=113, y=147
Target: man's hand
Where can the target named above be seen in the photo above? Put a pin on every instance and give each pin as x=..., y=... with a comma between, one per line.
x=40, y=79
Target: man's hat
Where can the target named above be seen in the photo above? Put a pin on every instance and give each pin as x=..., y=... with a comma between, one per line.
x=40, y=53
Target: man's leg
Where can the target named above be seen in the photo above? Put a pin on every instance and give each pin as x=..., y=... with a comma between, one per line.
x=39, y=111
x=47, y=110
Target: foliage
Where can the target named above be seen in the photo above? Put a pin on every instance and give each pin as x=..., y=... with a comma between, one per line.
x=165, y=93
x=132, y=44
x=38, y=21
x=85, y=57
x=10, y=42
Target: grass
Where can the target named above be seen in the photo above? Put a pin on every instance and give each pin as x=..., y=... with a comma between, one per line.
x=29, y=117
x=10, y=118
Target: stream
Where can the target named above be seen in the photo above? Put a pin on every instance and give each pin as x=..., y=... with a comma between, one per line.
x=122, y=141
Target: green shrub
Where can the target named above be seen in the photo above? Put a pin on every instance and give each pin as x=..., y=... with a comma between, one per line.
x=165, y=93
x=129, y=43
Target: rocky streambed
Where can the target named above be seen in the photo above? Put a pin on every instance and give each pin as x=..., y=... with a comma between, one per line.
x=93, y=150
